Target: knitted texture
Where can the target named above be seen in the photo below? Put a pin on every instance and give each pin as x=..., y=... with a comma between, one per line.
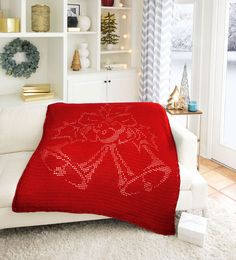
x=117, y=160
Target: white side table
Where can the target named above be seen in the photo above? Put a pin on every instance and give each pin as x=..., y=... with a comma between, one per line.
x=192, y=229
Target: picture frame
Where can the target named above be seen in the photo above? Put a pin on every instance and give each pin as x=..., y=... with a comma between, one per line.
x=73, y=10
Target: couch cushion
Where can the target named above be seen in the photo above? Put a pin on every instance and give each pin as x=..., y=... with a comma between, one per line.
x=185, y=178
x=12, y=166
x=21, y=128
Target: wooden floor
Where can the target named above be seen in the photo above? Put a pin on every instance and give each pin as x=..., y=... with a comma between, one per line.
x=221, y=182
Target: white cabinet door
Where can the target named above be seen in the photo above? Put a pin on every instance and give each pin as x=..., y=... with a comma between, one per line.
x=87, y=91
x=122, y=88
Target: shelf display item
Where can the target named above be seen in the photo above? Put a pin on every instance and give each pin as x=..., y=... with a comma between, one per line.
x=73, y=10
x=76, y=62
x=72, y=22
x=116, y=66
x=173, y=99
x=40, y=21
x=9, y=25
x=192, y=106
x=73, y=29
x=117, y=3
x=184, y=88
x=84, y=23
x=84, y=54
x=24, y=68
x=108, y=29
x=34, y=92
x=107, y=2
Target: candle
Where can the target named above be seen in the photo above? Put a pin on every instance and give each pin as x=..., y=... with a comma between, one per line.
x=192, y=106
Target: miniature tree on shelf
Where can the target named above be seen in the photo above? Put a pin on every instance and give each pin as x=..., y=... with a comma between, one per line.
x=173, y=99
x=184, y=89
x=76, y=64
x=108, y=29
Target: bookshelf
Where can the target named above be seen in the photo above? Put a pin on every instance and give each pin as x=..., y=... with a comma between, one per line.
x=57, y=46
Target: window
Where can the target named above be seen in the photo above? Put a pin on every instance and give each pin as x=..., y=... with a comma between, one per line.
x=230, y=89
x=182, y=31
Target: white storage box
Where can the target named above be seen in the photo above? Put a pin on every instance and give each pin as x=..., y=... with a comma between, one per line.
x=192, y=229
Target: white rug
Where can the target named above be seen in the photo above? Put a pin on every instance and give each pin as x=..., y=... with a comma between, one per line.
x=113, y=240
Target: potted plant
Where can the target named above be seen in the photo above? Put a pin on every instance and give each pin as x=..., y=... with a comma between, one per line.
x=108, y=28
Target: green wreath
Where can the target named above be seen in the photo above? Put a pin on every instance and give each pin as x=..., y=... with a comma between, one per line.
x=25, y=68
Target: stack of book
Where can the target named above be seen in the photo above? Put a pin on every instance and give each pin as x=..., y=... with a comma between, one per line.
x=35, y=92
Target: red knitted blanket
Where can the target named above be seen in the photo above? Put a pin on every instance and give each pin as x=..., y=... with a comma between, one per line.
x=117, y=160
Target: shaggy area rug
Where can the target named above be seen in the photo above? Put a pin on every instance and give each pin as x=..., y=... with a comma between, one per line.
x=113, y=240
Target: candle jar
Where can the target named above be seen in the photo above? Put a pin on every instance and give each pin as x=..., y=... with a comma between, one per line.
x=192, y=106
x=9, y=25
x=107, y=2
x=117, y=3
x=40, y=18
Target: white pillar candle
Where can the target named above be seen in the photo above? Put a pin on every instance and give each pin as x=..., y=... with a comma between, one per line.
x=117, y=3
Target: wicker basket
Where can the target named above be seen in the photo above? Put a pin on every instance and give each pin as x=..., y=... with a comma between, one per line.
x=40, y=19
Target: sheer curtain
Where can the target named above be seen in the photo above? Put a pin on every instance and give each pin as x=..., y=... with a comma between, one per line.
x=156, y=50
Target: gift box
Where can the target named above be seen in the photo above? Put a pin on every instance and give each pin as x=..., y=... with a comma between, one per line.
x=192, y=229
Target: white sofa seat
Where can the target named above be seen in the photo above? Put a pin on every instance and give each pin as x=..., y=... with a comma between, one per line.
x=12, y=166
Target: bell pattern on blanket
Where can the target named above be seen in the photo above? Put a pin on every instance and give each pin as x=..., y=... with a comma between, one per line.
x=112, y=128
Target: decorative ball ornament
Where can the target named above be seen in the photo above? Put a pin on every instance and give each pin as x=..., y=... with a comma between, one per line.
x=25, y=68
x=84, y=23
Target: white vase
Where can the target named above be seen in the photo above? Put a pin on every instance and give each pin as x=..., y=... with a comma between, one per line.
x=116, y=3
x=83, y=45
x=85, y=63
x=84, y=23
x=84, y=54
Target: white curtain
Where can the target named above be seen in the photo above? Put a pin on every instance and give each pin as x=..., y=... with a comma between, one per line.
x=156, y=50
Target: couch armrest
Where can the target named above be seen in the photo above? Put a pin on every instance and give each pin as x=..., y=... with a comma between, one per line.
x=186, y=144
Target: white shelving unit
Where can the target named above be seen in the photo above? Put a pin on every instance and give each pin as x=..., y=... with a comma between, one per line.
x=115, y=8
x=115, y=52
x=57, y=46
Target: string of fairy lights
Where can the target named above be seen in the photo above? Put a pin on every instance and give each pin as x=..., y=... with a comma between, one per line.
x=125, y=35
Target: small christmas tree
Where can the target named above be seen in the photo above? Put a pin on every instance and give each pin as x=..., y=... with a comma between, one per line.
x=108, y=29
x=173, y=99
x=76, y=65
x=184, y=89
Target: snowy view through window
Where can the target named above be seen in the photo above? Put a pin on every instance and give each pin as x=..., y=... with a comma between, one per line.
x=182, y=30
x=229, y=137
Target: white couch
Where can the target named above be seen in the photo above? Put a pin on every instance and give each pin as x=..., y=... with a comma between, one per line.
x=20, y=132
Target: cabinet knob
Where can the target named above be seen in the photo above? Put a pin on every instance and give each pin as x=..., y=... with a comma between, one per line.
x=109, y=81
x=105, y=81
